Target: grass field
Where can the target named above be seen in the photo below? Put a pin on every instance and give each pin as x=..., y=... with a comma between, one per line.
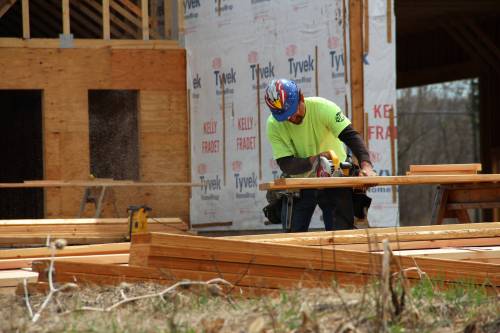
x=421, y=308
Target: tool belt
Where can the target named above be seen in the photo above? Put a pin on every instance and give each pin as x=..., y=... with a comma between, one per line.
x=273, y=210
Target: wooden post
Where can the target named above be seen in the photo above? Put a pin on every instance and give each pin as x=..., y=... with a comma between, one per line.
x=145, y=19
x=356, y=63
x=106, y=31
x=26, y=19
x=65, y=14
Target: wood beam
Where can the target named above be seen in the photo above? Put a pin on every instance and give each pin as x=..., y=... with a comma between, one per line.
x=6, y=6
x=145, y=19
x=106, y=31
x=26, y=18
x=356, y=63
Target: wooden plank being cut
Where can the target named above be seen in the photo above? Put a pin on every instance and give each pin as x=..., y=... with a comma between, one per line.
x=314, y=258
x=329, y=182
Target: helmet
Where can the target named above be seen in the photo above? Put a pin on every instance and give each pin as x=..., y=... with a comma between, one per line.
x=282, y=98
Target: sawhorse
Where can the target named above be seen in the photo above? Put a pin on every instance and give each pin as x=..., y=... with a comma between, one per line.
x=97, y=195
x=453, y=201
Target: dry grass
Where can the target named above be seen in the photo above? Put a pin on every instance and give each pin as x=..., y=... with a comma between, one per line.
x=200, y=309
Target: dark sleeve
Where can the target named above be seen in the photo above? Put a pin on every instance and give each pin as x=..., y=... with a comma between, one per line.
x=294, y=165
x=355, y=143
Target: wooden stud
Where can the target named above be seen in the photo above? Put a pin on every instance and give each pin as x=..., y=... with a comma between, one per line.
x=316, y=76
x=66, y=18
x=145, y=19
x=26, y=19
x=389, y=21
x=167, y=18
x=223, y=109
x=356, y=64
x=259, y=130
x=106, y=31
x=154, y=15
x=366, y=134
x=344, y=32
x=366, y=27
x=392, y=130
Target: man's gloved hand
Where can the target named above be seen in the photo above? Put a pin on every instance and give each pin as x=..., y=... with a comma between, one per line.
x=366, y=169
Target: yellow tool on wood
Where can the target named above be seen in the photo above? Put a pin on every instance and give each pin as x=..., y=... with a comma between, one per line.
x=138, y=219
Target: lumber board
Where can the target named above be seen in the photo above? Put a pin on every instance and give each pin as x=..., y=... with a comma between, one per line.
x=51, y=43
x=375, y=235
x=471, y=167
x=86, y=183
x=304, y=257
x=112, y=248
x=116, y=258
x=331, y=182
x=414, y=245
x=482, y=254
x=94, y=221
x=10, y=278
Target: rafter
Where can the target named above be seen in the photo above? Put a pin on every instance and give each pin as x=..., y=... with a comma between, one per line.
x=124, y=26
x=5, y=6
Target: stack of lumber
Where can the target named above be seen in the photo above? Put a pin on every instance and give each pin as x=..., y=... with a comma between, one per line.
x=266, y=263
x=15, y=264
x=18, y=233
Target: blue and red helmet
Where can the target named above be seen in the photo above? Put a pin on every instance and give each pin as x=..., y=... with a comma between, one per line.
x=282, y=97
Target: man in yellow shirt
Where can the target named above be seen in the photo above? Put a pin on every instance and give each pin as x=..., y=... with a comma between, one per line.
x=301, y=130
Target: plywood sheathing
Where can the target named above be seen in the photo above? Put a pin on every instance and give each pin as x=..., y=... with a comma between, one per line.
x=66, y=75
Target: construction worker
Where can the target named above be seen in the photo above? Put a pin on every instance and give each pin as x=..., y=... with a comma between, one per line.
x=301, y=130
